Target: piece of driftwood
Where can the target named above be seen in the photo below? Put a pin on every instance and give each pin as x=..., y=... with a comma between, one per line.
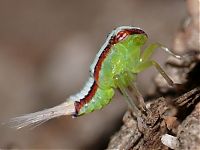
x=174, y=121
x=146, y=133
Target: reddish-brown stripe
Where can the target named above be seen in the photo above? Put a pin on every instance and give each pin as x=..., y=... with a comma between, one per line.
x=86, y=99
x=100, y=61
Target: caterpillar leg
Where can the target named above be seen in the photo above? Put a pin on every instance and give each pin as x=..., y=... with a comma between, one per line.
x=152, y=47
x=144, y=65
x=139, y=97
x=136, y=102
x=145, y=61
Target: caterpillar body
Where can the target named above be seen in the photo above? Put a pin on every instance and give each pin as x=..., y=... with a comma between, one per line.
x=115, y=66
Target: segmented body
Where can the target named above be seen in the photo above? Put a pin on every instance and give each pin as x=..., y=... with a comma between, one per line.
x=120, y=53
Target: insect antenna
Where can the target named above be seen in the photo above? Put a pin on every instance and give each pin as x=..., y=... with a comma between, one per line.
x=169, y=51
x=37, y=118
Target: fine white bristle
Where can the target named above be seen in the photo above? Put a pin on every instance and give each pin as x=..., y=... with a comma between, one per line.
x=37, y=118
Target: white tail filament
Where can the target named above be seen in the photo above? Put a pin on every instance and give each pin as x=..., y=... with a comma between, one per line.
x=37, y=118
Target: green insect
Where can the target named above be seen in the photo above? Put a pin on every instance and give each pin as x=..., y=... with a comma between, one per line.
x=115, y=67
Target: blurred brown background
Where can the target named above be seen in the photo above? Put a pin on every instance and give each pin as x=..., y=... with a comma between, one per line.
x=46, y=48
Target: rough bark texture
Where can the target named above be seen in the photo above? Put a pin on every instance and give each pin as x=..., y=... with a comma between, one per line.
x=177, y=111
x=145, y=133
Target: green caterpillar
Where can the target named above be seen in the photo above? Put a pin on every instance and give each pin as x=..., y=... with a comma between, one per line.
x=116, y=66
